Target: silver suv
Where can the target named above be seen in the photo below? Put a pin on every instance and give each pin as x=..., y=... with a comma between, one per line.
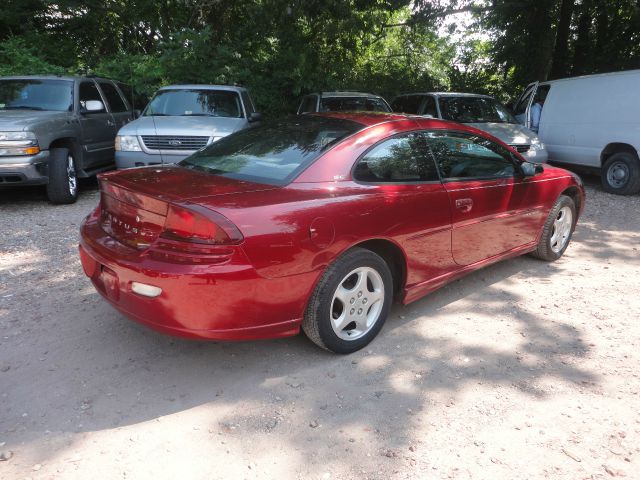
x=54, y=129
x=181, y=119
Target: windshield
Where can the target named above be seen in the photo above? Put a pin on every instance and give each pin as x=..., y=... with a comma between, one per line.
x=474, y=110
x=273, y=154
x=353, y=104
x=195, y=102
x=32, y=94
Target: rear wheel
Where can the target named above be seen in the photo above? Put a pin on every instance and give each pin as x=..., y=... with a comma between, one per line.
x=621, y=174
x=63, y=181
x=557, y=230
x=350, y=303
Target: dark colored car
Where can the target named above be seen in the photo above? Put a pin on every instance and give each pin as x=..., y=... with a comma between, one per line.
x=343, y=102
x=56, y=129
x=319, y=222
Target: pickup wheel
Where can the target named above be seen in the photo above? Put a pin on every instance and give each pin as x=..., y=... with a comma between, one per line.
x=63, y=182
x=621, y=174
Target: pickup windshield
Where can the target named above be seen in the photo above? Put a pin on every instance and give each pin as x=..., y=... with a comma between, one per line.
x=33, y=94
x=273, y=154
x=474, y=110
x=195, y=102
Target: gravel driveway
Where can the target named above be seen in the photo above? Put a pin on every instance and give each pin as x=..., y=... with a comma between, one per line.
x=523, y=370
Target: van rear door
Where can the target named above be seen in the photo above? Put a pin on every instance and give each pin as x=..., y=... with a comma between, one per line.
x=522, y=107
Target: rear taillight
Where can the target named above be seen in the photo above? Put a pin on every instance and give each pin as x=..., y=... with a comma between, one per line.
x=198, y=225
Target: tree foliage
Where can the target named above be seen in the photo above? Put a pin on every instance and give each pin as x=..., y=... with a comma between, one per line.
x=282, y=49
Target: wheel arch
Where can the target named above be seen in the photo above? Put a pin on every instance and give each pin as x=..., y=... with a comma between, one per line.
x=616, y=147
x=393, y=255
x=574, y=193
x=72, y=144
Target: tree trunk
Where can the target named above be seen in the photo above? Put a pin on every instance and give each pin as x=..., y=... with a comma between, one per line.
x=559, y=66
x=582, y=44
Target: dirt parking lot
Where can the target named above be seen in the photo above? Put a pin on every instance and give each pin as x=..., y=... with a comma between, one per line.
x=524, y=370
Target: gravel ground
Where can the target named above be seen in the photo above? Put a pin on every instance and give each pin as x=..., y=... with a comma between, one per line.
x=523, y=370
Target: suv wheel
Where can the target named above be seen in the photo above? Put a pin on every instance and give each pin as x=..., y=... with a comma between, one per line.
x=63, y=181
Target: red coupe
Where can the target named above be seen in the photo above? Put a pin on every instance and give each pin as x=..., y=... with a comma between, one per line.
x=318, y=222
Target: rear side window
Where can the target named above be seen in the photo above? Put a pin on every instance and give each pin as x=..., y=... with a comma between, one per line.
x=407, y=104
x=403, y=158
x=464, y=156
x=273, y=154
x=113, y=97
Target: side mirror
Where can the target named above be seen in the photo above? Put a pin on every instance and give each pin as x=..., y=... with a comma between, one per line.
x=255, y=117
x=531, y=169
x=93, y=106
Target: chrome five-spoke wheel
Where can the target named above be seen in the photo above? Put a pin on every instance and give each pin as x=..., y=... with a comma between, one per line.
x=71, y=176
x=357, y=303
x=561, y=229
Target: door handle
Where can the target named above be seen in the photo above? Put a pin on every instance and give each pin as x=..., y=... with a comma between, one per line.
x=464, y=204
x=111, y=123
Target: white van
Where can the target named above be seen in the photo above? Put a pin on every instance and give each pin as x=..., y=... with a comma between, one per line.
x=591, y=121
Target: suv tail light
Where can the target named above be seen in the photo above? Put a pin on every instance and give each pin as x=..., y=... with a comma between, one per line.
x=198, y=225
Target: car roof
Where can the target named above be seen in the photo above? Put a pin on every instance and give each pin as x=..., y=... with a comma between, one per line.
x=194, y=86
x=345, y=94
x=56, y=77
x=447, y=94
x=368, y=119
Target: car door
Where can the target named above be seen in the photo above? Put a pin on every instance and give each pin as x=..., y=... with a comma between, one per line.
x=121, y=113
x=494, y=208
x=413, y=206
x=522, y=107
x=98, y=128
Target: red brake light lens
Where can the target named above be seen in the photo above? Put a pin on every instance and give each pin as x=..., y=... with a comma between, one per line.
x=188, y=224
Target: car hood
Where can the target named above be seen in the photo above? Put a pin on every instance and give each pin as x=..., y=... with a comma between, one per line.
x=183, y=126
x=18, y=120
x=510, y=133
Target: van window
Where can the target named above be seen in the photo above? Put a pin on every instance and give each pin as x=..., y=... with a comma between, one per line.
x=522, y=104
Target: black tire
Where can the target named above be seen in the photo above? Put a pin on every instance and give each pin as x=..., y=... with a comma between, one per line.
x=320, y=310
x=621, y=174
x=63, y=183
x=546, y=250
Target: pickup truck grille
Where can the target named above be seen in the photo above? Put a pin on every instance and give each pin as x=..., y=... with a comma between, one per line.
x=170, y=142
x=521, y=148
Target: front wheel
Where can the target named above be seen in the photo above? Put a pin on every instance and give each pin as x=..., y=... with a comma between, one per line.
x=63, y=181
x=621, y=174
x=557, y=230
x=350, y=303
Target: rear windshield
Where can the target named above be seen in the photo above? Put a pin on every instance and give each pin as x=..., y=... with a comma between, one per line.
x=353, y=104
x=273, y=154
x=474, y=110
x=34, y=94
x=195, y=102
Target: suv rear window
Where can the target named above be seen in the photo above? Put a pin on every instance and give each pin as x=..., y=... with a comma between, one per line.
x=273, y=154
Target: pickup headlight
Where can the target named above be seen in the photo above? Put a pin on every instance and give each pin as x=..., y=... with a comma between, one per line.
x=128, y=143
x=18, y=143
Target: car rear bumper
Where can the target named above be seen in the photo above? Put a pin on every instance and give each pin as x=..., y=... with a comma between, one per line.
x=228, y=301
x=143, y=159
x=24, y=170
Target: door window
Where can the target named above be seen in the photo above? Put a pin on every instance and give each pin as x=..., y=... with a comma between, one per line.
x=429, y=107
x=399, y=159
x=407, y=104
x=88, y=91
x=464, y=156
x=521, y=107
x=115, y=101
x=309, y=104
x=248, y=104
